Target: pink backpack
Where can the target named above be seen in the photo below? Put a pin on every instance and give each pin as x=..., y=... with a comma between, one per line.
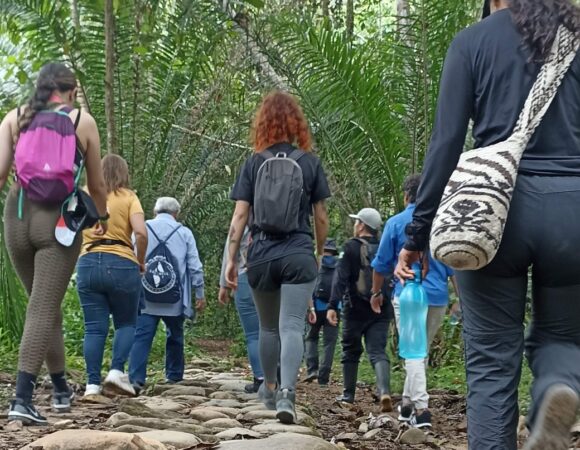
x=45, y=156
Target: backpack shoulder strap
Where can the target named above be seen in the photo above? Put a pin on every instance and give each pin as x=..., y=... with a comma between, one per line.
x=267, y=154
x=163, y=241
x=18, y=112
x=172, y=233
x=296, y=154
x=78, y=119
x=364, y=251
x=150, y=228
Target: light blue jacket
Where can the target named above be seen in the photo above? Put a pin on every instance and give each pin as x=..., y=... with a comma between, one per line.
x=183, y=248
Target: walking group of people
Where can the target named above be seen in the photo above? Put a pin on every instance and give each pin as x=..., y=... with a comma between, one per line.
x=280, y=265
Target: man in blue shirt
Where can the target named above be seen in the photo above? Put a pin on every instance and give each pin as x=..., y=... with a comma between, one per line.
x=415, y=404
x=181, y=244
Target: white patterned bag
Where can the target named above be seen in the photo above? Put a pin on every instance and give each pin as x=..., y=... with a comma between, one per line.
x=469, y=224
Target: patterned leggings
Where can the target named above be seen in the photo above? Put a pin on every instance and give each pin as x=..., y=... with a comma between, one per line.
x=45, y=268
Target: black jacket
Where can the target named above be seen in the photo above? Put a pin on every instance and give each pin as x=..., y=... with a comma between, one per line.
x=344, y=283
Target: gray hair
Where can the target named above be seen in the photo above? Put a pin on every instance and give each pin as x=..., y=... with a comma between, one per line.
x=167, y=205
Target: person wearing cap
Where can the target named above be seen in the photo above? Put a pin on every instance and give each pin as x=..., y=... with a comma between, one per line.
x=414, y=408
x=361, y=319
x=318, y=321
x=180, y=243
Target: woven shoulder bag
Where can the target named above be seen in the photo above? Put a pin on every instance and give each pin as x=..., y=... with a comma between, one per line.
x=469, y=224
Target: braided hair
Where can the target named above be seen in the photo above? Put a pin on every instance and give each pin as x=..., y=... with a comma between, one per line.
x=538, y=22
x=52, y=77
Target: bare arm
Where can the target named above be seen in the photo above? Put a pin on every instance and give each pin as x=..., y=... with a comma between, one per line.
x=320, y=226
x=140, y=231
x=89, y=136
x=239, y=222
x=378, y=281
x=7, y=128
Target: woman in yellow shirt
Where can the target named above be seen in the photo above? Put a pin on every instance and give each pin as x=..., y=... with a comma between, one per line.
x=109, y=280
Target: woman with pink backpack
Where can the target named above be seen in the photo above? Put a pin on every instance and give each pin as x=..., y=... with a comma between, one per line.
x=48, y=143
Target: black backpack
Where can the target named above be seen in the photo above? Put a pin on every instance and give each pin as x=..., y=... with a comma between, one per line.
x=364, y=282
x=278, y=193
x=323, y=287
x=161, y=281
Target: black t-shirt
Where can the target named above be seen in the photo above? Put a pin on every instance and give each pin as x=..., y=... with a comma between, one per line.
x=315, y=189
x=487, y=77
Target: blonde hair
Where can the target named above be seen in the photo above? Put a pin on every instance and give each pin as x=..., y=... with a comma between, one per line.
x=116, y=173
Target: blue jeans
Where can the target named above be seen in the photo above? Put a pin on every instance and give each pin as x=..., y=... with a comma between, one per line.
x=250, y=323
x=174, y=359
x=107, y=285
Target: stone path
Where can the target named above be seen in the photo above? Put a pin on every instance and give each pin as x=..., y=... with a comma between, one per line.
x=208, y=409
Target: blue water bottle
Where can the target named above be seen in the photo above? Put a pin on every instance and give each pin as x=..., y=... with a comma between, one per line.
x=413, y=323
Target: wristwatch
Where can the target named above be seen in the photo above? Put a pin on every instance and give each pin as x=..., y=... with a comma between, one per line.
x=312, y=309
x=104, y=218
x=376, y=294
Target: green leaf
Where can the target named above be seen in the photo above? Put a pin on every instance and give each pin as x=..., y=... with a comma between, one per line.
x=22, y=77
x=255, y=3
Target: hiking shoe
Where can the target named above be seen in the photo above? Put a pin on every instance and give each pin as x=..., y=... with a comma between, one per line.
x=555, y=418
x=422, y=420
x=405, y=412
x=285, y=411
x=119, y=383
x=138, y=387
x=267, y=396
x=168, y=381
x=323, y=383
x=386, y=403
x=345, y=398
x=92, y=389
x=61, y=401
x=310, y=377
x=26, y=413
x=252, y=388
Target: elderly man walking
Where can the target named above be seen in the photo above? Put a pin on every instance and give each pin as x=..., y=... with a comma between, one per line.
x=173, y=273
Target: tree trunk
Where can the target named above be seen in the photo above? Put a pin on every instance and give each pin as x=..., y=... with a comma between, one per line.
x=325, y=10
x=109, y=77
x=349, y=18
x=76, y=19
x=402, y=14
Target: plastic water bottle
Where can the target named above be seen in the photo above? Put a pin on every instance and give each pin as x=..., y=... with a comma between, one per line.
x=413, y=323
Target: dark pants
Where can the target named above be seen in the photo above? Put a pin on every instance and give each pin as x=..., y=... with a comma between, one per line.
x=108, y=285
x=542, y=231
x=174, y=357
x=330, y=335
x=373, y=328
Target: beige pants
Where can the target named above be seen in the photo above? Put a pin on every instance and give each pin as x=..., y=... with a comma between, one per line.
x=416, y=369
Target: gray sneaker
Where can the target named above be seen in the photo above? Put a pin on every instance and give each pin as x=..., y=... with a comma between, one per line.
x=26, y=413
x=267, y=396
x=557, y=414
x=61, y=401
x=285, y=410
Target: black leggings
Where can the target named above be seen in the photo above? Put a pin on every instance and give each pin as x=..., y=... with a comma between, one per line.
x=542, y=232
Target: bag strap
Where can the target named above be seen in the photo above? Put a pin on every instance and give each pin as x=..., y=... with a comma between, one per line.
x=364, y=252
x=296, y=154
x=267, y=154
x=163, y=241
x=544, y=89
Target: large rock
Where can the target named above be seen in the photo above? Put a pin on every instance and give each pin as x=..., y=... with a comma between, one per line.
x=205, y=414
x=255, y=407
x=185, y=390
x=176, y=439
x=224, y=403
x=114, y=420
x=413, y=436
x=277, y=427
x=222, y=423
x=230, y=412
x=186, y=426
x=228, y=376
x=238, y=433
x=267, y=414
x=233, y=385
x=284, y=441
x=132, y=429
x=94, y=440
x=134, y=407
x=190, y=400
x=161, y=404
x=222, y=395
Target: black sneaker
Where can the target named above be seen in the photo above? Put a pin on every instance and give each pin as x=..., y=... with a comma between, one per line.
x=310, y=377
x=405, y=412
x=422, y=420
x=61, y=401
x=138, y=387
x=252, y=388
x=26, y=413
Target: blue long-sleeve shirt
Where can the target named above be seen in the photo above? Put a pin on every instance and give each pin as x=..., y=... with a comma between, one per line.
x=392, y=242
x=182, y=246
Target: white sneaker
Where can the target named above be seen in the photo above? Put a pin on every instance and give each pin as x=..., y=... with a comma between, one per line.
x=92, y=389
x=118, y=382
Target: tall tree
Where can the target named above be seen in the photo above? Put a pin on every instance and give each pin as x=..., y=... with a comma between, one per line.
x=349, y=18
x=109, y=76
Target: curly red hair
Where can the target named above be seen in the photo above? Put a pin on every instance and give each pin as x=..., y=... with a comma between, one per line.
x=280, y=119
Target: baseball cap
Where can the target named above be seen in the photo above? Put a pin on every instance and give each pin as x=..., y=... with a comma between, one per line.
x=370, y=217
x=330, y=245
